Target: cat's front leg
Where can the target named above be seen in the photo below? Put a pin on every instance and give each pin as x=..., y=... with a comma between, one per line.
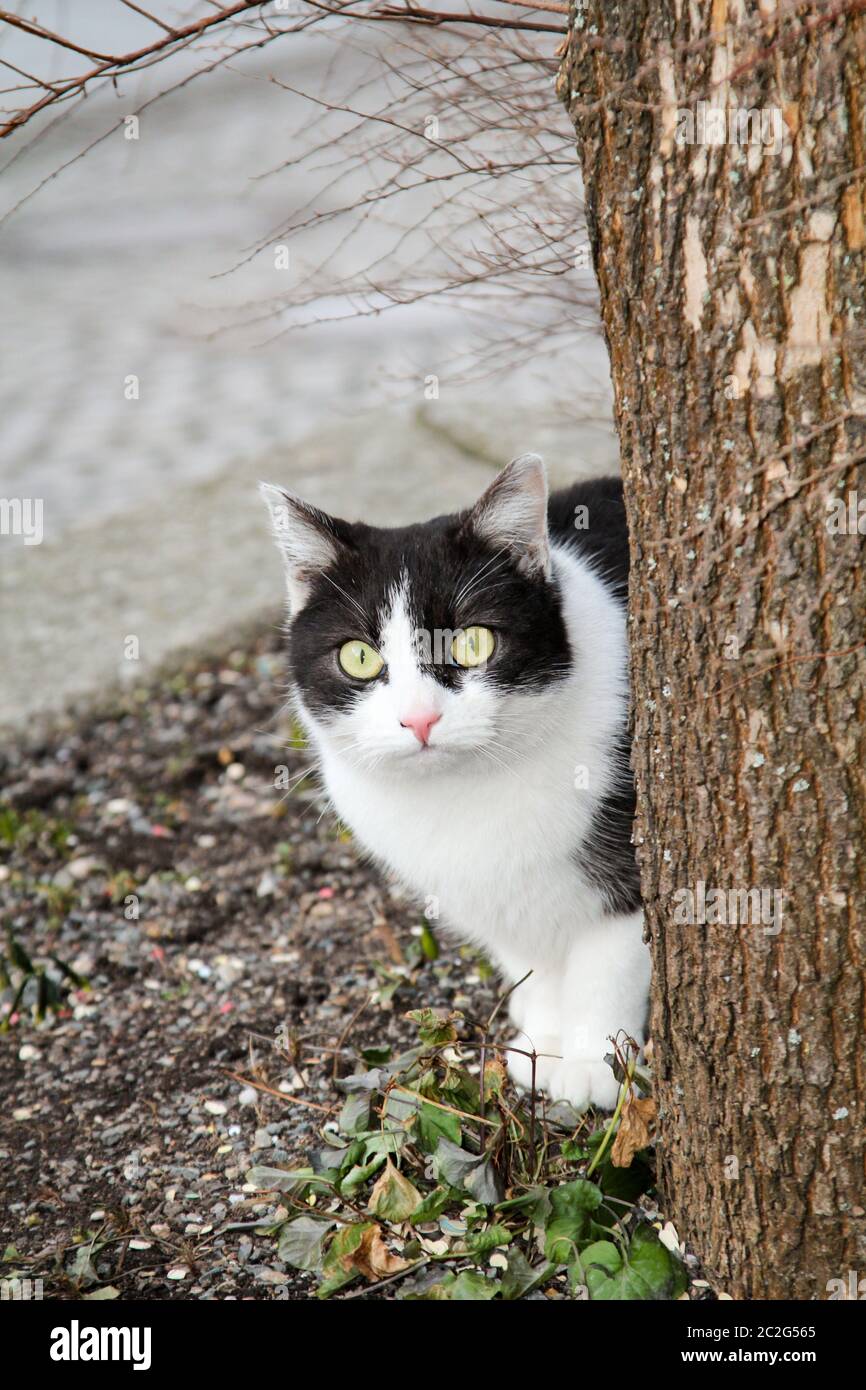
x=535, y=1009
x=605, y=990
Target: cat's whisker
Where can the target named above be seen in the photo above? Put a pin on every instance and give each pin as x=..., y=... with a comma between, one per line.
x=479, y=574
x=479, y=584
x=296, y=780
x=353, y=603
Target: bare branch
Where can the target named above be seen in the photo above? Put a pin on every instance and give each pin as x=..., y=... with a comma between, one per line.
x=416, y=15
x=537, y=5
x=153, y=18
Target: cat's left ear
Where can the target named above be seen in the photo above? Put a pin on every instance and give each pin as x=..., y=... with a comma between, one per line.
x=512, y=514
x=308, y=540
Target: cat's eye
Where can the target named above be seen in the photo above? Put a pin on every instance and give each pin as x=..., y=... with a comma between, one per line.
x=473, y=646
x=360, y=660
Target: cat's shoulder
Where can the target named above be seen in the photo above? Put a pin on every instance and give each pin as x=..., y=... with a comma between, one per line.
x=589, y=517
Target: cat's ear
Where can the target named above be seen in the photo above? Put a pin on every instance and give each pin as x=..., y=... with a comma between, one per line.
x=512, y=514
x=308, y=540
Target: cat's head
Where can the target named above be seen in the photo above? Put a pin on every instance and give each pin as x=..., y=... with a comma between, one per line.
x=417, y=646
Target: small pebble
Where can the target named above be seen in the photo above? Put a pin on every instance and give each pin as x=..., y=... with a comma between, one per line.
x=79, y=869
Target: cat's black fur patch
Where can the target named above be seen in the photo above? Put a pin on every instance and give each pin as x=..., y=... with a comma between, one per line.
x=532, y=648
x=607, y=854
x=604, y=538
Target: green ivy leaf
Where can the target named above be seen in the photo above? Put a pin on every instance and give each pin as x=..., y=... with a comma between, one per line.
x=301, y=1242
x=352, y=1154
x=574, y=1151
x=357, y=1176
x=435, y=1028
x=468, y=1287
x=394, y=1198
x=453, y=1164
x=649, y=1270
x=401, y=1107
x=659, y=1268
x=460, y=1090
x=433, y=1125
x=519, y=1276
x=383, y=1142
x=432, y=1206
x=485, y=1184
x=599, y=1266
x=482, y=1243
x=625, y=1184
x=355, y=1114
x=292, y=1180
x=570, y=1221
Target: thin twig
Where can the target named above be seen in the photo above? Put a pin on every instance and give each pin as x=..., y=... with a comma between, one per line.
x=346, y=1031
x=280, y=1095
x=416, y=15
x=536, y=5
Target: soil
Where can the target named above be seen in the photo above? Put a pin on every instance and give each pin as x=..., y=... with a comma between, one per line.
x=231, y=939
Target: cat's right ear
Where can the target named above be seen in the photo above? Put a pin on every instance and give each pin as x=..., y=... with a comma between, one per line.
x=307, y=539
x=512, y=514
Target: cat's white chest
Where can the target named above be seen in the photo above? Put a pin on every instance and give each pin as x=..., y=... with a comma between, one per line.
x=493, y=857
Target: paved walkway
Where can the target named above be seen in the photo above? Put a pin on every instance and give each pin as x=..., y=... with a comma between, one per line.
x=152, y=526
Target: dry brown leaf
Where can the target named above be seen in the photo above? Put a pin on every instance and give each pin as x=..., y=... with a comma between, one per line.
x=635, y=1130
x=372, y=1258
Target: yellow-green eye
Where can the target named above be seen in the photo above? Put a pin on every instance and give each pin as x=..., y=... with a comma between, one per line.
x=473, y=646
x=360, y=660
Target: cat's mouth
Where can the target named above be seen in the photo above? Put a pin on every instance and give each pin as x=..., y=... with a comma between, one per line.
x=425, y=754
x=414, y=757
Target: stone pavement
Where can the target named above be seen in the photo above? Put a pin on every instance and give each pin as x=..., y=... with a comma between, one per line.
x=142, y=412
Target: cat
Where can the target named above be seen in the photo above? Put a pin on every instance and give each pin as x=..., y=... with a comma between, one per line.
x=464, y=685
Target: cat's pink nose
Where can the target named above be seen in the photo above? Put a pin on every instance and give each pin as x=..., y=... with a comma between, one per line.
x=421, y=724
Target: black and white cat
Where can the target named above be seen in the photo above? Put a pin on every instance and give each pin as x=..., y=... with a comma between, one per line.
x=464, y=684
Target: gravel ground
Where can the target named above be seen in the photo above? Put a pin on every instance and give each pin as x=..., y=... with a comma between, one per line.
x=226, y=929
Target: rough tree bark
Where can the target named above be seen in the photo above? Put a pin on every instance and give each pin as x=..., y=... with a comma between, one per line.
x=733, y=293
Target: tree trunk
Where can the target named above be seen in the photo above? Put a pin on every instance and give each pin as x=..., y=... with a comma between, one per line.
x=733, y=293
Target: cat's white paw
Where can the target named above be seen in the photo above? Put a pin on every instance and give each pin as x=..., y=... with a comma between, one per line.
x=583, y=1083
x=535, y=1009
x=518, y=1008
x=520, y=1066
